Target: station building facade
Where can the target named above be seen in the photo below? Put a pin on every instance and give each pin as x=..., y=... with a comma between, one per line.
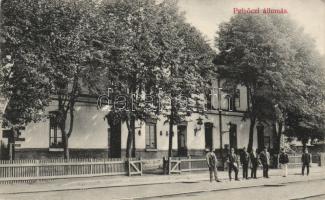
x=221, y=127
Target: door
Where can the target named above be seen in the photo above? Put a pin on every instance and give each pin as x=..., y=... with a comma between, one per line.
x=233, y=136
x=260, y=137
x=208, y=135
x=114, y=140
x=181, y=140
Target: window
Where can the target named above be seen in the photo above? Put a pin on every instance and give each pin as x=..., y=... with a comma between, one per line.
x=237, y=98
x=233, y=101
x=230, y=102
x=151, y=140
x=55, y=132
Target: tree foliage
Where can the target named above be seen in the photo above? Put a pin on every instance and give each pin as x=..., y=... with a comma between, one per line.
x=278, y=64
x=148, y=50
x=46, y=42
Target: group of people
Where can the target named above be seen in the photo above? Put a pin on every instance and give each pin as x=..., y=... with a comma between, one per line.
x=252, y=160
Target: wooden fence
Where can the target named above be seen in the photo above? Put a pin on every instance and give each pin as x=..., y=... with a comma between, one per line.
x=295, y=160
x=186, y=164
x=29, y=170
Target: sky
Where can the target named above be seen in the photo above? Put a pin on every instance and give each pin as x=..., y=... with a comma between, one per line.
x=206, y=15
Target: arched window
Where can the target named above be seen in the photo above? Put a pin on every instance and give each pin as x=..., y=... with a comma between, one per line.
x=233, y=101
x=230, y=103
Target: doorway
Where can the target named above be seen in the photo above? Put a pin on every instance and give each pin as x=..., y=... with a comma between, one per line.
x=114, y=140
x=260, y=137
x=208, y=135
x=181, y=140
x=233, y=136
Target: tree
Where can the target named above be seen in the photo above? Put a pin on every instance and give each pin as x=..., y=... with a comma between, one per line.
x=47, y=44
x=188, y=69
x=147, y=42
x=274, y=59
x=129, y=59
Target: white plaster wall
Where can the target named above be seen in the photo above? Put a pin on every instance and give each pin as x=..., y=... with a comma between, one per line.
x=242, y=131
x=224, y=102
x=163, y=140
x=140, y=140
x=89, y=129
x=195, y=141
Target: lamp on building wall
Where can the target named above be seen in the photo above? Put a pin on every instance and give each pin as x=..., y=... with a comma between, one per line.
x=198, y=125
x=139, y=132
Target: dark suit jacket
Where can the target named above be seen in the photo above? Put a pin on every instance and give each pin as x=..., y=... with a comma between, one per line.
x=244, y=159
x=233, y=160
x=254, y=160
x=306, y=158
x=211, y=159
x=265, y=158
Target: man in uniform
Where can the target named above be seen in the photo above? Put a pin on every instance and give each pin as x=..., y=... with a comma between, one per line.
x=305, y=159
x=265, y=160
x=212, y=164
x=254, y=161
x=284, y=160
x=233, y=164
x=244, y=159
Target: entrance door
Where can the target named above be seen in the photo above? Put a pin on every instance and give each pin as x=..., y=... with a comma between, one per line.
x=260, y=137
x=114, y=140
x=181, y=140
x=233, y=136
x=208, y=135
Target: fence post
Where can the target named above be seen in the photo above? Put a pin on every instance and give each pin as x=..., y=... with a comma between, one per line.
x=189, y=163
x=322, y=160
x=164, y=165
x=169, y=165
x=37, y=168
x=91, y=166
x=129, y=167
x=140, y=166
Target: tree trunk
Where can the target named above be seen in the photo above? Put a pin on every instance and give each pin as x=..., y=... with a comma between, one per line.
x=133, y=136
x=171, y=133
x=65, y=141
x=65, y=137
x=129, y=140
x=278, y=138
x=251, y=134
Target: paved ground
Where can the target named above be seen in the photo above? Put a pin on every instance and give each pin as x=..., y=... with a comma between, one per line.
x=300, y=190
x=187, y=186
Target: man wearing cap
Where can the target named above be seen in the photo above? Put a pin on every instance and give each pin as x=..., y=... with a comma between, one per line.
x=284, y=160
x=233, y=164
x=305, y=159
x=212, y=164
x=265, y=160
x=244, y=159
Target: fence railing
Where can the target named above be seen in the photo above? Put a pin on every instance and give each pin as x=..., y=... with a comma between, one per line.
x=186, y=164
x=29, y=170
x=295, y=160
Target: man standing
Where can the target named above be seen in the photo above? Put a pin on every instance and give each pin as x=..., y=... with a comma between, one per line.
x=212, y=164
x=244, y=159
x=232, y=160
x=305, y=159
x=265, y=160
x=254, y=161
x=284, y=160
